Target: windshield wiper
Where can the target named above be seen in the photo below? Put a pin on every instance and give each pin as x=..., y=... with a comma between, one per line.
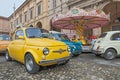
x=34, y=36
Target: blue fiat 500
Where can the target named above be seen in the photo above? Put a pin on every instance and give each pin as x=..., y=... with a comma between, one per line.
x=75, y=48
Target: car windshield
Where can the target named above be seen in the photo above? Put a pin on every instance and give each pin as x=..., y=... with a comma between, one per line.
x=4, y=37
x=103, y=35
x=33, y=33
x=61, y=37
x=45, y=35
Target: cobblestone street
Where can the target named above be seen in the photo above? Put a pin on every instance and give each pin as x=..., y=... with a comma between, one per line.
x=82, y=37
x=76, y=69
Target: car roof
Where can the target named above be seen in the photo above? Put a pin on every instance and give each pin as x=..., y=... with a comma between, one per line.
x=112, y=31
x=54, y=32
x=26, y=28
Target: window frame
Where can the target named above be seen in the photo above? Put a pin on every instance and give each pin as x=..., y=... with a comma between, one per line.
x=21, y=18
x=113, y=35
x=21, y=34
x=25, y=16
x=39, y=9
x=103, y=35
x=31, y=12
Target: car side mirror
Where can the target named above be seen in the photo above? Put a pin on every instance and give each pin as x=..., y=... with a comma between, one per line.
x=20, y=37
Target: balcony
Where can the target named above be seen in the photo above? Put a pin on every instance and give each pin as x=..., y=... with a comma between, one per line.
x=81, y=3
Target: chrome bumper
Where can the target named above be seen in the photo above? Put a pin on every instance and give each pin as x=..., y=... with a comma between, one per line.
x=57, y=61
x=86, y=48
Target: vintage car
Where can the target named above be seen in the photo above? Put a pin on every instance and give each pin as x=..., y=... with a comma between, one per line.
x=108, y=45
x=4, y=42
x=75, y=48
x=29, y=48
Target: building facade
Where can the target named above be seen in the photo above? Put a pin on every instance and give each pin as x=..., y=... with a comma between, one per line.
x=39, y=13
x=31, y=13
x=4, y=25
x=56, y=7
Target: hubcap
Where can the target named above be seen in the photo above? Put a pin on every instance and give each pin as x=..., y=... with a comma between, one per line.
x=110, y=55
x=6, y=55
x=29, y=63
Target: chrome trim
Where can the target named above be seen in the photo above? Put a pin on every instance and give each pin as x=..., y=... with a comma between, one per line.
x=59, y=51
x=42, y=62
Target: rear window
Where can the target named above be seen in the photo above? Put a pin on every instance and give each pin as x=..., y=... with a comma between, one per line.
x=116, y=36
x=103, y=35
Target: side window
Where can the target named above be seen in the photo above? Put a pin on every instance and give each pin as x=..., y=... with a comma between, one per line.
x=58, y=36
x=53, y=36
x=116, y=37
x=19, y=33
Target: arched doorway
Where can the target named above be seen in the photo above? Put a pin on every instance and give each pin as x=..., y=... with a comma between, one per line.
x=113, y=9
x=31, y=26
x=39, y=25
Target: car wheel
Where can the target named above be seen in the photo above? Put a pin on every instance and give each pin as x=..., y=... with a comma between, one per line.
x=7, y=57
x=110, y=54
x=30, y=64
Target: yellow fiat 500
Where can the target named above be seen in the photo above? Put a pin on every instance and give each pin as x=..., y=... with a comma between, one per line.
x=29, y=48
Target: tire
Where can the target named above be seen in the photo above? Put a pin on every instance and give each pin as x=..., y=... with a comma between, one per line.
x=31, y=66
x=110, y=54
x=7, y=57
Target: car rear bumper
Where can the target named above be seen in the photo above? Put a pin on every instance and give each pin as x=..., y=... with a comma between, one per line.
x=54, y=61
x=86, y=48
x=96, y=52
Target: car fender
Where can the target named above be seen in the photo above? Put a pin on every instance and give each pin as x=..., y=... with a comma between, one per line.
x=35, y=55
x=8, y=51
x=110, y=47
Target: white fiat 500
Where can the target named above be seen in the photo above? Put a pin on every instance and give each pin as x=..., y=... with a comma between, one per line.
x=108, y=45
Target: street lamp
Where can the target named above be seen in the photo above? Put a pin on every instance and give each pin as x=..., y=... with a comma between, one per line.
x=61, y=5
x=13, y=17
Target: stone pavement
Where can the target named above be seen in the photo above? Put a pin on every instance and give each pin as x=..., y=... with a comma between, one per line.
x=74, y=70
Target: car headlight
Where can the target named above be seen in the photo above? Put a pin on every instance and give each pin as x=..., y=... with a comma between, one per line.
x=45, y=51
x=68, y=49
